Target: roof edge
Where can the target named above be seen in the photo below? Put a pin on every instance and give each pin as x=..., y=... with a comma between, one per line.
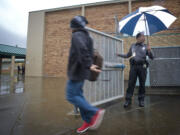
x=12, y=46
x=79, y=6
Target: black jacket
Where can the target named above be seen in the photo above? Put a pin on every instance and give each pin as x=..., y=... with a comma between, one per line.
x=80, y=55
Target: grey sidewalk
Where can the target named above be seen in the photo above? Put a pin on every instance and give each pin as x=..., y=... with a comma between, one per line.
x=42, y=110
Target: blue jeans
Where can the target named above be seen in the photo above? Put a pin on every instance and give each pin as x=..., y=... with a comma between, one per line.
x=74, y=94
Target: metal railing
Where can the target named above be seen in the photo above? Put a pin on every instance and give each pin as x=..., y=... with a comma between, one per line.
x=110, y=84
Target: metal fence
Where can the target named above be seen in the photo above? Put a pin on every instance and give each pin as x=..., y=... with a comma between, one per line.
x=110, y=84
x=165, y=68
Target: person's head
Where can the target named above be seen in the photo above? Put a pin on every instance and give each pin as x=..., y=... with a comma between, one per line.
x=140, y=37
x=78, y=22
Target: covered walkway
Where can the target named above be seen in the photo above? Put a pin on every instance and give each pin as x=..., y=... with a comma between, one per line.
x=13, y=53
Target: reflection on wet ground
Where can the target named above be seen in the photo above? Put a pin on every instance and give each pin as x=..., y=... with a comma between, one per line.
x=41, y=109
x=10, y=85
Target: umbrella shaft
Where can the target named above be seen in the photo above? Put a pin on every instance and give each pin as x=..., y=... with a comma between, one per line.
x=146, y=29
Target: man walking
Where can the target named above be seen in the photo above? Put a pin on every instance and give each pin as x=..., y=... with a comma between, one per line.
x=138, y=68
x=79, y=67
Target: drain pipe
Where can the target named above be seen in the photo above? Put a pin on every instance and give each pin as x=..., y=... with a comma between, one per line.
x=83, y=10
x=116, y=26
x=130, y=6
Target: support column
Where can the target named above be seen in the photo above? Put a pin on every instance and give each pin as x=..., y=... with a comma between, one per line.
x=0, y=66
x=130, y=6
x=24, y=66
x=83, y=11
x=0, y=71
x=12, y=65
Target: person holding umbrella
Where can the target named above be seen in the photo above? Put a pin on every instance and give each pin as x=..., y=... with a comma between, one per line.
x=79, y=67
x=138, y=68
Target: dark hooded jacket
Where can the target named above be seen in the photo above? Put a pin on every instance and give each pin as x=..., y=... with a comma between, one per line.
x=80, y=55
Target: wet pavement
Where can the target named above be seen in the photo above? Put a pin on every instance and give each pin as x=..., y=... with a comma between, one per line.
x=39, y=107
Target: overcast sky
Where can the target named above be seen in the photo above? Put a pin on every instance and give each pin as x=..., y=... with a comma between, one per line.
x=14, y=17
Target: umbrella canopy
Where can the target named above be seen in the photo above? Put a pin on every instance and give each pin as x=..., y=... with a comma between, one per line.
x=146, y=19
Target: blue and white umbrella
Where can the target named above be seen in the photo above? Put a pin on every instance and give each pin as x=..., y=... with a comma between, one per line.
x=146, y=19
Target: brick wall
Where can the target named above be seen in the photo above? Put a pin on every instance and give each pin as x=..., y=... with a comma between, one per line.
x=102, y=17
x=57, y=41
x=58, y=35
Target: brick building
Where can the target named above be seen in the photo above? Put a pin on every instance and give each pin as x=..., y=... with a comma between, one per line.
x=49, y=33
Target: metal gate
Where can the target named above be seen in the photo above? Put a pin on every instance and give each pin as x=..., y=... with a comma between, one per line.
x=110, y=84
x=165, y=68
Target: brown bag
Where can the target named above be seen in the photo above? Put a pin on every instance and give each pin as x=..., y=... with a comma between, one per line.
x=97, y=60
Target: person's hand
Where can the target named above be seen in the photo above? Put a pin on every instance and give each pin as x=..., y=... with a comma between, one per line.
x=148, y=47
x=95, y=68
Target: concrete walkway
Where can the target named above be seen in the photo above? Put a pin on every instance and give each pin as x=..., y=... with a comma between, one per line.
x=41, y=109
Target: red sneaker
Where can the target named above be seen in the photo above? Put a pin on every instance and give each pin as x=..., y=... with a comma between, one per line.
x=97, y=119
x=84, y=127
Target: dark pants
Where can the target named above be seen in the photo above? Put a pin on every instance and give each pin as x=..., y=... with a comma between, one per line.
x=136, y=71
